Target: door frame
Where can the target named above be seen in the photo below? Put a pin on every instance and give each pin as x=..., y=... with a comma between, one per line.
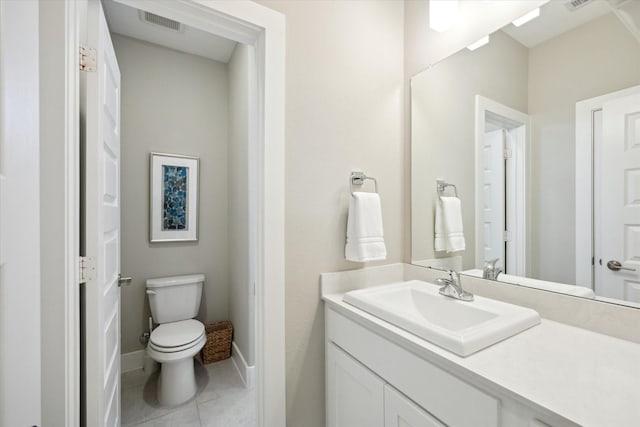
x=256, y=25
x=585, y=184
x=520, y=173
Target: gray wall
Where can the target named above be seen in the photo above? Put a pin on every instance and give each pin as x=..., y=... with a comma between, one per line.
x=241, y=297
x=594, y=59
x=443, y=130
x=172, y=102
x=343, y=112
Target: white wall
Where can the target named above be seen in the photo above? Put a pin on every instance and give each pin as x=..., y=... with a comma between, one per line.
x=20, y=357
x=172, y=102
x=343, y=112
x=241, y=296
x=592, y=60
x=443, y=128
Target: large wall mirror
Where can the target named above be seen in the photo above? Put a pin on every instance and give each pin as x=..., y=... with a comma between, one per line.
x=538, y=131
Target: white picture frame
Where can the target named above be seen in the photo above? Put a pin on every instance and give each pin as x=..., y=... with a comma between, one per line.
x=174, y=186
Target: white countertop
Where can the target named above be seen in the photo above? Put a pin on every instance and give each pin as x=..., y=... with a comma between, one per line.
x=588, y=378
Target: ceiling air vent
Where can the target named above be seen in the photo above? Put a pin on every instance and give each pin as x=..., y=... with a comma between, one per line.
x=576, y=4
x=152, y=18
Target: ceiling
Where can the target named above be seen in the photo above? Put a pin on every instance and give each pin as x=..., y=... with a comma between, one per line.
x=129, y=22
x=555, y=18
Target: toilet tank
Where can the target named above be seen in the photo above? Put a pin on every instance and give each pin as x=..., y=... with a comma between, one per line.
x=175, y=298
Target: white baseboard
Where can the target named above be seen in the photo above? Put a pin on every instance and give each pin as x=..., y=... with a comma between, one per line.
x=248, y=373
x=131, y=361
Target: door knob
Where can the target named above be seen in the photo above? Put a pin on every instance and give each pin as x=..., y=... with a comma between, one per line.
x=614, y=265
x=124, y=280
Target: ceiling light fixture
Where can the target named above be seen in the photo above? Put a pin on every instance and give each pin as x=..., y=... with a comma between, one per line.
x=479, y=43
x=442, y=14
x=527, y=17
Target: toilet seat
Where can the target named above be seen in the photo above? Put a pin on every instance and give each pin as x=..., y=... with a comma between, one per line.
x=175, y=349
x=176, y=336
x=177, y=354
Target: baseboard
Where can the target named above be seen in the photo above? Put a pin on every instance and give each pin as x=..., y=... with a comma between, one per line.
x=248, y=373
x=131, y=361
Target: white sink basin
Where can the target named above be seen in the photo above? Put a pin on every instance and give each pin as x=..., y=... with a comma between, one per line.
x=460, y=327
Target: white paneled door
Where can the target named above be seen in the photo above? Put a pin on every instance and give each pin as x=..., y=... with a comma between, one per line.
x=494, y=196
x=620, y=196
x=101, y=99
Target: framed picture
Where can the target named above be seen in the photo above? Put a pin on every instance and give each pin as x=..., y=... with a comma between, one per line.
x=174, y=198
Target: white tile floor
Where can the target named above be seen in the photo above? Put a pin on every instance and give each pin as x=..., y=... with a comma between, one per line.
x=222, y=400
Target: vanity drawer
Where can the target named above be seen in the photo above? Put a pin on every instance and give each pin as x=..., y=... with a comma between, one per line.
x=437, y=391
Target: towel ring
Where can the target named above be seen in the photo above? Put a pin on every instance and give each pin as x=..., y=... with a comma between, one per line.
x=441, y=185
x=358, y=178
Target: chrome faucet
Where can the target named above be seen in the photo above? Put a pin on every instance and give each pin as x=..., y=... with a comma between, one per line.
x=491, y=270
x=452, y=287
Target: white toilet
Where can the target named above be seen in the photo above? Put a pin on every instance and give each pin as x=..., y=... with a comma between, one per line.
x=174, y=302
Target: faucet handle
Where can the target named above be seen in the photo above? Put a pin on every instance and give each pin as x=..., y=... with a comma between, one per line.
x=455, y=279
x=441, y=281
x=491, y=269
x=491, y=264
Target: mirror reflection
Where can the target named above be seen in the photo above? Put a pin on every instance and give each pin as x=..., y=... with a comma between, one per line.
x=538, y=132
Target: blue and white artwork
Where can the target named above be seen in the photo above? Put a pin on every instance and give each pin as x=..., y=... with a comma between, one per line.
x=173, y=198
x=175, y=185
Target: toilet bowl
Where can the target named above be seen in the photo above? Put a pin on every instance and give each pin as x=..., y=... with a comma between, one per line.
x=174, y=301
x=173, y=345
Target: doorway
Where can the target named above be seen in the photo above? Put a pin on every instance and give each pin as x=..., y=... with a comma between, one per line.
x=501, y=136
x=250, y=23
x=187, y=94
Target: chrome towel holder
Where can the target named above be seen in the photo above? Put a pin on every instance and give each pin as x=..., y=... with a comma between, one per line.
x=358, y=178
x=441, y=185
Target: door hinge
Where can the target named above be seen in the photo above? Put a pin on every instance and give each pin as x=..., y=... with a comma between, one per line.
x=506, y=153
x=87, y=58
x=86, y=269
x=506, y=236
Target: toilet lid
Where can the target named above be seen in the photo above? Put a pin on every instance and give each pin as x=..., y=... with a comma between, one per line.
x=177, y=334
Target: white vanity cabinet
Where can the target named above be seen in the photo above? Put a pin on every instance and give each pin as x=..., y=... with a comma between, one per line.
x=399, y=411
x=373, y=381
x=358, y=397
x=355, y=394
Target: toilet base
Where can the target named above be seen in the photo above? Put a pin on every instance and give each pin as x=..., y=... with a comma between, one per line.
x=177, y=382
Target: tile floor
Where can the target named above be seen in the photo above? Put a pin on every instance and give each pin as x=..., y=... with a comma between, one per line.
x=222, y=400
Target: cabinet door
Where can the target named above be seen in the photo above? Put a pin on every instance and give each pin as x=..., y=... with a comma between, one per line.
x=355, y=395
x=399, y=411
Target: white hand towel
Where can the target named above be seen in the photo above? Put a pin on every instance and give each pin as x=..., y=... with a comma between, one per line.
x=365, y=237
x=449, y=234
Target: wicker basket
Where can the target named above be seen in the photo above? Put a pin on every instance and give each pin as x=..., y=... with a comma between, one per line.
x=218, y=345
